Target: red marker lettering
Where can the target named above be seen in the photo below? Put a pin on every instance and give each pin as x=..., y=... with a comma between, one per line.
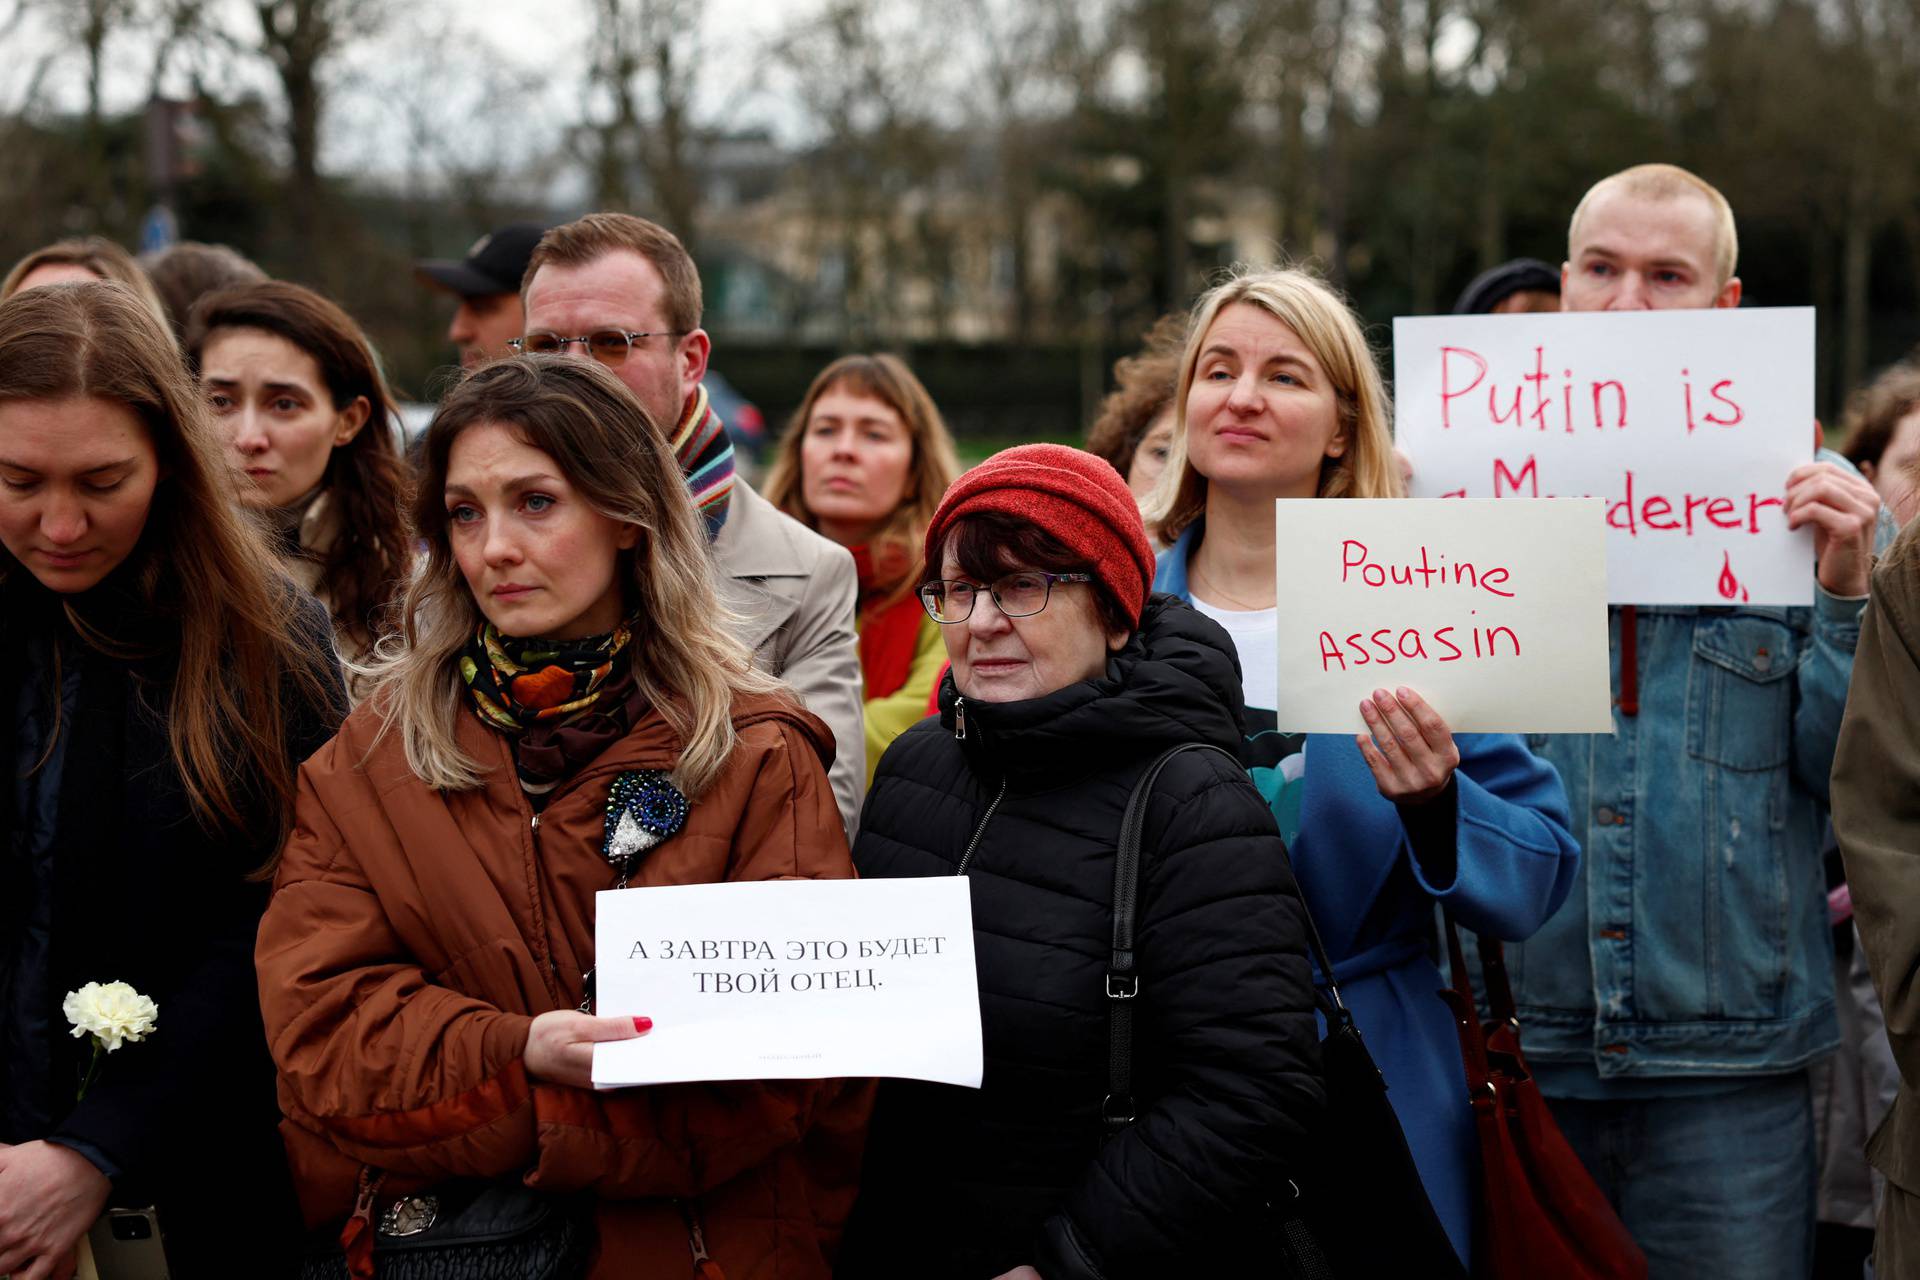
x=1739, y=414
x=1447, y=393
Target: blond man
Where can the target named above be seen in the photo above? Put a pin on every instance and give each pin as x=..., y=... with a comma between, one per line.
x=1673, y=1006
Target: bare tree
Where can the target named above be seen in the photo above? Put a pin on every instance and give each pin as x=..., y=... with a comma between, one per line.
x=300, y=38
x=647, y=56
x=870, y=177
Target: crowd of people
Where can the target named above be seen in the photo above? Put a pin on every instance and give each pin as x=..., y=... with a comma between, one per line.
x=326, y=740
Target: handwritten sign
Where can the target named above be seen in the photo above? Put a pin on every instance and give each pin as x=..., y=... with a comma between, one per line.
x=1494, y=612
x=1686, y=422
x=790, y=979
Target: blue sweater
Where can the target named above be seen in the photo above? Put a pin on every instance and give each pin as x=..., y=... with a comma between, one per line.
x=1372, y=897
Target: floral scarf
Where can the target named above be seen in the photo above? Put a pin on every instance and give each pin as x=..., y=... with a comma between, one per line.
x=562, y=702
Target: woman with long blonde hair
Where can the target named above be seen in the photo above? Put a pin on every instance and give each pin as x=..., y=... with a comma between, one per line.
x=164, y=680
x=1279, y=397
x=562, y=711
x=865, y=461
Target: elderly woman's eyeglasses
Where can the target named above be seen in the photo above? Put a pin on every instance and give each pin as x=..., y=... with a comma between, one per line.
x=1018, y=595
x=608, y=346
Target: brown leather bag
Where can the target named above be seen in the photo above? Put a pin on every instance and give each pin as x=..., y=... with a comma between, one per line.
x=1541, y=1214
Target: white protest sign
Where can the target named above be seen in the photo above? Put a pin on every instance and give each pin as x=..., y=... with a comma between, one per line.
x=789, y=979
x=1494, y=612
x=1686, y=422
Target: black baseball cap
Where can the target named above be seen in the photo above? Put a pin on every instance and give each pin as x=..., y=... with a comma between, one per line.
x=1490, y=288
x=495, y=264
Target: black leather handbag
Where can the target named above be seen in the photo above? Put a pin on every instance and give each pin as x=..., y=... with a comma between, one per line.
x=1361, y=1211
x=463, y=1231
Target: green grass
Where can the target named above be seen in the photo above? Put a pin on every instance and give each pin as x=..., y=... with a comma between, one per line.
x=977, y=449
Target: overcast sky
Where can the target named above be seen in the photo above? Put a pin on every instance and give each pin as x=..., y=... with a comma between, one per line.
x=438, y=65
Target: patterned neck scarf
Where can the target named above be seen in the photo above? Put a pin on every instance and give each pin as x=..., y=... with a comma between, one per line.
x=704, y=451
x=562, y=702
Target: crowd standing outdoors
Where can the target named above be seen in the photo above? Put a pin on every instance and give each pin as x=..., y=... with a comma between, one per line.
x=326, y=747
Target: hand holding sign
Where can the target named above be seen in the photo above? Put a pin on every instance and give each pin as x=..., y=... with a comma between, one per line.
x=560, y=1044
x=1842, y=508
x=1408, y=746
x=788, y=980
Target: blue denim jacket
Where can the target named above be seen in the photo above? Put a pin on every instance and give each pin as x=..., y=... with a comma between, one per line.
x=1695, y=940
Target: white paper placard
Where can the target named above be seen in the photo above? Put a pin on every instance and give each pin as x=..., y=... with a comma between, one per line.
x=789, y=979
x=1686, y=422
x=1494, y=612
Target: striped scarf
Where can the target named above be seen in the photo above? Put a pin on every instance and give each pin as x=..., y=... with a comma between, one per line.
x=704, y=451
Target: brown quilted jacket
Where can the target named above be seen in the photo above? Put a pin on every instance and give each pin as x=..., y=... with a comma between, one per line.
x=414, y=934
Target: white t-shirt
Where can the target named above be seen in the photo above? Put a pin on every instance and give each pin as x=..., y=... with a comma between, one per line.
x=1255, y=634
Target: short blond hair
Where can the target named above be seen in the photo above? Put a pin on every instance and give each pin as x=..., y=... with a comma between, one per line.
x=1670, y=182
x=1323, y=321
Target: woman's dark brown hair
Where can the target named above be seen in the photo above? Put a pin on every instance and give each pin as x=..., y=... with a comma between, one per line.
x=1146, y=384
x=184, y=273
x=1876, y=410
x=366, y=480
x=199, y=564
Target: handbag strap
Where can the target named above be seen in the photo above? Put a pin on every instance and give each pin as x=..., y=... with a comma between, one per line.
x=1123, y=983
x=1493, y=971
x=1466, y=1016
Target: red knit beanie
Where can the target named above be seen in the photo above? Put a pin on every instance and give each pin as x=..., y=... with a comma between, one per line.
x=1076, y=497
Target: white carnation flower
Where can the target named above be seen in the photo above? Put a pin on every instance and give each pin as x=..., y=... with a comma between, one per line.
x=113, y=1012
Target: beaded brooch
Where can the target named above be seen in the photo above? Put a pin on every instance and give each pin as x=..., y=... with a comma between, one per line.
x=643, y=809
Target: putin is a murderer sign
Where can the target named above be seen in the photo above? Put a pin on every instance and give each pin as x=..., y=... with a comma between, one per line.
x=1686, y=423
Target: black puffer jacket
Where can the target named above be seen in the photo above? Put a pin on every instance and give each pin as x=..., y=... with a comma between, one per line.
x=968, y=1184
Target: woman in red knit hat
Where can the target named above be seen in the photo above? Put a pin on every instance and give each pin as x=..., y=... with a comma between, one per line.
x=865, y=461
x=1067, y=682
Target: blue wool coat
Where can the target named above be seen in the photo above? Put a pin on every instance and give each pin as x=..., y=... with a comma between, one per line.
x=1372, y=899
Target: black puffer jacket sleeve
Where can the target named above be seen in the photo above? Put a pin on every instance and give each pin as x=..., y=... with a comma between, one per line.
x=1226, y=1049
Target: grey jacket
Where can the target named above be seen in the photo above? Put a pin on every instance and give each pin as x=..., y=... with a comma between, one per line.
x=794, y=594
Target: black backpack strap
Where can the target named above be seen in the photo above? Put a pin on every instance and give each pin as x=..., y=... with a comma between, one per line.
x=1299, y=1252
x=1123, y=982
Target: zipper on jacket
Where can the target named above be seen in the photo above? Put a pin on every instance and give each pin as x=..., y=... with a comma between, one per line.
x=981, y=830
x=553, y=970
x=959, y=716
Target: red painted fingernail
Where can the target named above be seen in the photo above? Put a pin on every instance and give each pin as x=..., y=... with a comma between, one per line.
x=643, y=1024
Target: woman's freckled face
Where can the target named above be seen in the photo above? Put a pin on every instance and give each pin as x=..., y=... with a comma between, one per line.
x=1150, y=455
x=856, y=460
